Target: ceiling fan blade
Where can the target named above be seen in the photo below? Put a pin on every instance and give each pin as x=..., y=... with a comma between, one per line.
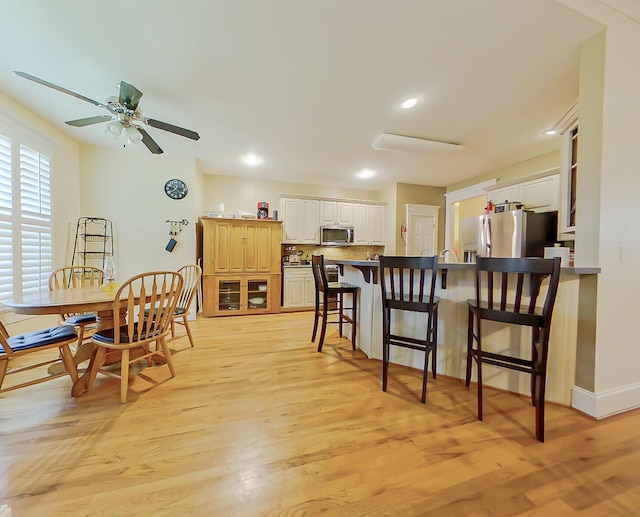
x=129, y=95
x=59, y=88
x=172, y=129
x=149, y=142
x=81, y=122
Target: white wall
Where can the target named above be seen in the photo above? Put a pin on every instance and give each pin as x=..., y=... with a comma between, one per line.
x=126, y=186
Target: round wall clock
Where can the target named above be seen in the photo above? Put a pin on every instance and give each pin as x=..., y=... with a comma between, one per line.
x=175, y=189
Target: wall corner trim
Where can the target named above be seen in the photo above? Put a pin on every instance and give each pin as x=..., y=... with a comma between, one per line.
x=606, y=403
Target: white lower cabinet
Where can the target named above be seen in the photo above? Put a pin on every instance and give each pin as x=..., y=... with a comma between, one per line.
x=299, y=287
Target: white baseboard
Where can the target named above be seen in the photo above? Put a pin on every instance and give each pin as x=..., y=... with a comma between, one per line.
x=606, y=403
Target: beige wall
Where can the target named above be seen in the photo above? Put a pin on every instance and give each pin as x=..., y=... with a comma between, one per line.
x=418, y=195
x=239, y=193
x=516, y=170
x=389, y=195
x=472, y=207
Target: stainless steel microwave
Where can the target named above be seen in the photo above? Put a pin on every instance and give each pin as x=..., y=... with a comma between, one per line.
x=336, y=235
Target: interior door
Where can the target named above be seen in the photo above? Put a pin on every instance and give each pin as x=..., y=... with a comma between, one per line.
x=421, y=233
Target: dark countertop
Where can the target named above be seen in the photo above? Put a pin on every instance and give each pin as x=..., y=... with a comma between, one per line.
x=457, y=265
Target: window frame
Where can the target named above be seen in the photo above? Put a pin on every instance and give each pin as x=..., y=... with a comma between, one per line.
x=29, y=217
x=568, y=178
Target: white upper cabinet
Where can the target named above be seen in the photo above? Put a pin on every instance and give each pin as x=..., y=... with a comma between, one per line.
x=302, y=218
x=542, y=194
x=368, y=222
x=502, y=194
x=336, y=213
x=376, y=228
x=300, y=221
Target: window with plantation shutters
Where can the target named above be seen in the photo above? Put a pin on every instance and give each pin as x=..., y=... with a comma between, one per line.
x=26, y=248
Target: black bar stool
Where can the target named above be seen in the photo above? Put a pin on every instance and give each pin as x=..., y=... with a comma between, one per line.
x=408, y=284
x=512, y=299
x=332, y=294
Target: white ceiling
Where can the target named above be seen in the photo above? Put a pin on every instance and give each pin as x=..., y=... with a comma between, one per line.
x=308, y=85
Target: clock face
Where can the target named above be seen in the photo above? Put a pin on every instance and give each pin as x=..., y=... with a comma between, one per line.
x=175, y=189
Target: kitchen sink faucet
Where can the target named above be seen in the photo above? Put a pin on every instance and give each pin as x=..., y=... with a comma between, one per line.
x=444, y=252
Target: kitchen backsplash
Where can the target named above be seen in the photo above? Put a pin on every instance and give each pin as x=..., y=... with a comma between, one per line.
x=332, y=252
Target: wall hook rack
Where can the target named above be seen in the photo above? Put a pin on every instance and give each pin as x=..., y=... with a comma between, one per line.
x=176, y=226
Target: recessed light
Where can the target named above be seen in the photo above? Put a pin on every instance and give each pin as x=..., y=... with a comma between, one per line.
x=365, y=173
x=409, y=103
x=551, y=132
x=251, y=159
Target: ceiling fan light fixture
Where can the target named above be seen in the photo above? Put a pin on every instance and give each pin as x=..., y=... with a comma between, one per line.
x=114, y=129
x=133, y=136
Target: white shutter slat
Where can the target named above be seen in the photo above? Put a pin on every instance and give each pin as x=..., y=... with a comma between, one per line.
x=5, y=176
x=6, y=260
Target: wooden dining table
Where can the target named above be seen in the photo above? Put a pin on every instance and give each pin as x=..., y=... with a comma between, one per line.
x=67, y=301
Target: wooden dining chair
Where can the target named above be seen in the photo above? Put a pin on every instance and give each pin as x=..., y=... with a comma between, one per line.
x=191, y=275
x=77, y=277
x=19, y=347
x=150, y=301
x=508, y=291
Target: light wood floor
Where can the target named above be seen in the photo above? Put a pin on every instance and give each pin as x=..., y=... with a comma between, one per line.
x=256, y=422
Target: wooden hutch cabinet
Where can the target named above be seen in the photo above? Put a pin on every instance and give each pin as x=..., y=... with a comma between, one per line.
x=240, y=266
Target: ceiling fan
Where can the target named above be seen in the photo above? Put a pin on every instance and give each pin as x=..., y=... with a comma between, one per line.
x=125, y=115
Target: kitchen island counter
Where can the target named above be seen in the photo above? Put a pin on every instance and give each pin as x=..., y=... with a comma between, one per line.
x=452, y=326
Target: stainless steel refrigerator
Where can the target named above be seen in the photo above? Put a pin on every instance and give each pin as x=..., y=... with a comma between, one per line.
x=518, y=233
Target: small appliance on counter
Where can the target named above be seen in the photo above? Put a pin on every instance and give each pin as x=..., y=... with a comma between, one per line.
x=507, y=206
x=556, y=250
x=263, y=210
